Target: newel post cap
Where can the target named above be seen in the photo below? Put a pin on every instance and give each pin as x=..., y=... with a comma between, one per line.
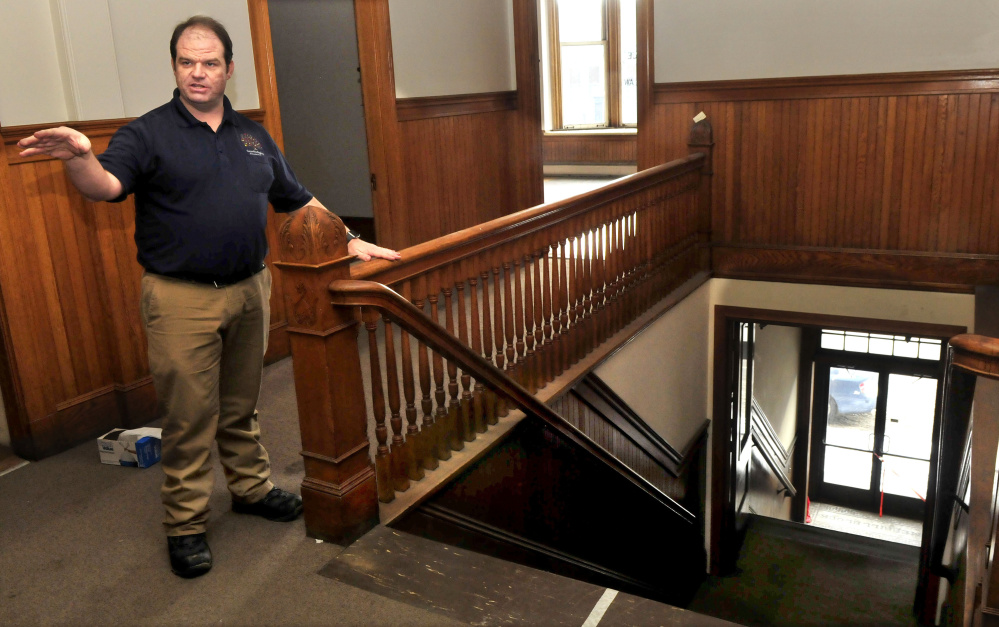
x=312, y=236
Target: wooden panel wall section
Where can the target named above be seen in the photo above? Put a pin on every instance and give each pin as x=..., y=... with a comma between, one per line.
x=72, y=348
x=446, y=163
x=886, y=180
x=590, y=148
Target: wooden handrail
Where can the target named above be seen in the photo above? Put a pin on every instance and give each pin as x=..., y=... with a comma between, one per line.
x=482, y=237
x=401, y=311
x=976, y=354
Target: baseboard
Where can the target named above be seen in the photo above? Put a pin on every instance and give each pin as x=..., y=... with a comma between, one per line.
x=588, y=170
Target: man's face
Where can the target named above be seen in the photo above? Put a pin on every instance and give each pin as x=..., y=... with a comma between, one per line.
x=200, y=68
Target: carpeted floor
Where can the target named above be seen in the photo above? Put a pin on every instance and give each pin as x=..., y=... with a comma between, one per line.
x=787, y=581
x=81, y=544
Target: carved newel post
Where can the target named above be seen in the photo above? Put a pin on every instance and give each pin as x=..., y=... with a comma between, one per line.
x=339, y=486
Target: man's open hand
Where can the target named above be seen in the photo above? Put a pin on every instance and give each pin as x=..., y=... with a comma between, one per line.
x=61, y=142
x=366, y=251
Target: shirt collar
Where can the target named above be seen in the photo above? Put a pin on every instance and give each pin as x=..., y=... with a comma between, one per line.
x=187, y=119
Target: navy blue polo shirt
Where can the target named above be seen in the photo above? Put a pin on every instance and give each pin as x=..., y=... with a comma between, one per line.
x=201, y=196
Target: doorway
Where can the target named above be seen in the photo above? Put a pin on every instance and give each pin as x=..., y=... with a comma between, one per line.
x=873, y=432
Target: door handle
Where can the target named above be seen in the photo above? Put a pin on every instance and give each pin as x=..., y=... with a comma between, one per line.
x=886, y=445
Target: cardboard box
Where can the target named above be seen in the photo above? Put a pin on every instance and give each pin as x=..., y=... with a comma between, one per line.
x=132, y=447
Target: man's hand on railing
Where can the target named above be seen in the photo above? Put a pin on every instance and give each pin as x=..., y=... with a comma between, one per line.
x=366, y=251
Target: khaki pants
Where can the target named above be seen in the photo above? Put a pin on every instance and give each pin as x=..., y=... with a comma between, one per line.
x=206, y=353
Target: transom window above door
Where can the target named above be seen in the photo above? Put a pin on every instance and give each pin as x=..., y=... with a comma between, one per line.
x=882, y=344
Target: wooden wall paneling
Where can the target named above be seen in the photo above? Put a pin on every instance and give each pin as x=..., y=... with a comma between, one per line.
x=885, y=172
x=582, y=148
x=278, y=345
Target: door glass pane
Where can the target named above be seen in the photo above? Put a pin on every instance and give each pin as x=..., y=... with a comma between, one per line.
x=581, y=20
x=853, y=397
x=905, y=477
x=848, y=467
x=909, y=423
x=584, y=85
x=629, y=62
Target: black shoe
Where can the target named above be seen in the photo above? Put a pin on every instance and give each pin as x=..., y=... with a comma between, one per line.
x=189, y=555
x=278, y=505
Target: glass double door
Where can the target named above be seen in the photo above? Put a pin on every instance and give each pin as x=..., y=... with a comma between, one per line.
x=876, y=435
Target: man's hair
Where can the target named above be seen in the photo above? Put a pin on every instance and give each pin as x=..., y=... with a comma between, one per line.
x=205, y=22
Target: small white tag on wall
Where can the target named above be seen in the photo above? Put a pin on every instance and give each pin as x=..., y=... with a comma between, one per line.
x=700, y=116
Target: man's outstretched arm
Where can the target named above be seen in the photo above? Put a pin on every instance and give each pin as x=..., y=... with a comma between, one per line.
x=73, y=148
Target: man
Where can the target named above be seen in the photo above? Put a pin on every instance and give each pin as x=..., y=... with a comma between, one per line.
x=202, y=176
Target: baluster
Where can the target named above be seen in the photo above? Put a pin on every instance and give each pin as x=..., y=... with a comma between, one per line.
x=540, y=372
x=478, y=419
x=465, y=430
x=530, y=365
x=383, y=460
x=414, y=439
x=577, y=287
x=600, y=279
x=518, y=279
x=487, y=347
x=587, y=239
x=454, y=439
x=428, y=446
x=501, y=408
x=546, y=313
x=570, y=304
x=508, y=307
x=557, y=267
x=440, y=415
x=563, y=305
x=400, y=452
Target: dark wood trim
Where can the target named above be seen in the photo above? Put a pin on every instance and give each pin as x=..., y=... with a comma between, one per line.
x=526, y=157
x=595, y=393
x=845, y=323
x=944, y=272
x=423, y=108
x=645, y=73
x=768, y=444
x=810, y=341
x=845, y=86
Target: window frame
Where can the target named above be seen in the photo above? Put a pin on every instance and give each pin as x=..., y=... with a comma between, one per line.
x=612, y=68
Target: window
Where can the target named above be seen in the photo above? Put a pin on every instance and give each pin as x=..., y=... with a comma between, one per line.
x=593, y=63
x=882, y=344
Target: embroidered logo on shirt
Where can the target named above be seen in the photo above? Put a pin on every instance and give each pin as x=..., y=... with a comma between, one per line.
x=252, y=144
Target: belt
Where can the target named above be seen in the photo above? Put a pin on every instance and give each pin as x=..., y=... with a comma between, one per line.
x=215, y=281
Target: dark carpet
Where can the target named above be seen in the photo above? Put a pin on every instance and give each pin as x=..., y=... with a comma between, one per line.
x=800, y=578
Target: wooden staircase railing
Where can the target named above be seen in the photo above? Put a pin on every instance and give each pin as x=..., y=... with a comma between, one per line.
x=529, y=295
x=970, y=357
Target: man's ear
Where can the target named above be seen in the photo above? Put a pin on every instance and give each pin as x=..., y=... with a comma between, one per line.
x=228, y=74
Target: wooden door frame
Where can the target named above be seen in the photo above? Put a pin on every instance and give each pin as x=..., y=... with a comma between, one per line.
x=722, y=510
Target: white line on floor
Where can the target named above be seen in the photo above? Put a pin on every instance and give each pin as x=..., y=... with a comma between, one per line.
x=598, y=610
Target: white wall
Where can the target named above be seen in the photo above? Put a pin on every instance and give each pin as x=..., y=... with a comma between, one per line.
x=104, y=59
x=661, y=374
x=776, y=355
x=449, y=47
x=722, y=40
x=142, y=32
x=31, y=88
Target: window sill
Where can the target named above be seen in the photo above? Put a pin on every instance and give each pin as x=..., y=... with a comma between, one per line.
x=594, y=131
